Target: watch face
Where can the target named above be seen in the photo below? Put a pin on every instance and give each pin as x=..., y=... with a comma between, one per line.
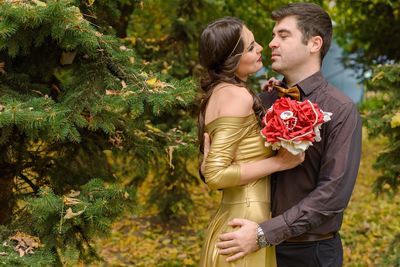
x=262, y=242
x=261, y=239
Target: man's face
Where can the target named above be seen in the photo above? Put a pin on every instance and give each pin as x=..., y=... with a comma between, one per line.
x=289, y=53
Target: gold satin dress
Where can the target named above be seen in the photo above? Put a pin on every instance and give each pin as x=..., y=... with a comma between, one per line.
x=236, y=140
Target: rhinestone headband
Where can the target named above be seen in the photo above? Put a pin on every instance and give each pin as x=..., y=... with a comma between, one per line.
x=237, y=43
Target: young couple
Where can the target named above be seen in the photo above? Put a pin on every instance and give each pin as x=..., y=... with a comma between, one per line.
x=307, y=199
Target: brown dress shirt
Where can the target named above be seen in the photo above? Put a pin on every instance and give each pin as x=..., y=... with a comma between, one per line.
x=311, y=197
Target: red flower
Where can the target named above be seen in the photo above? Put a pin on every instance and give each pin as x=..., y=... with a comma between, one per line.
x=293, y=125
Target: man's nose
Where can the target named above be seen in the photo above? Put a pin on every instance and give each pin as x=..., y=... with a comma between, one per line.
x=273, y=43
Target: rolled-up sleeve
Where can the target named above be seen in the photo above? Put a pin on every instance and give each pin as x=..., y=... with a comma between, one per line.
x=337, y=175
x=220, y=170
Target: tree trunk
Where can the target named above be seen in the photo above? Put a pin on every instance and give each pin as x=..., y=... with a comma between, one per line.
x=6, y=185
x=6, y=190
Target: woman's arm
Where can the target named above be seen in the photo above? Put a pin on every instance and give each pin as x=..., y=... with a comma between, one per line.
x=219, y=172
x=218, y=166
x=284, y=160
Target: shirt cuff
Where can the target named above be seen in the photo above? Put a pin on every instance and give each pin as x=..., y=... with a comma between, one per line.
x=276, y=230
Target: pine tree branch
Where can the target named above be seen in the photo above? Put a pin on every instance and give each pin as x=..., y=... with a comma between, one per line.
x=34, y=187
x=118, y=72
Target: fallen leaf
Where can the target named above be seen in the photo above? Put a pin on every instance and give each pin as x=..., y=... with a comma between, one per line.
x=113, y=92
x=67, y=58
x=123, y=83
x=152, y=81
x=70, y=214
x=74, y=193
x=25, y=243
x=378, y=76
x=21, y=252
x=170, y=152
x=70, y=201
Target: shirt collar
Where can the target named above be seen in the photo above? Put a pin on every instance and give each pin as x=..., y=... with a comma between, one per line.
x=311, y=83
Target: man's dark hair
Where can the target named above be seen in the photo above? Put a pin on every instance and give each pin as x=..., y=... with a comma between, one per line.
x=312, y=20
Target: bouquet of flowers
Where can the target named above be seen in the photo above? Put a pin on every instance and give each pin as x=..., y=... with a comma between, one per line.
x=293, y=125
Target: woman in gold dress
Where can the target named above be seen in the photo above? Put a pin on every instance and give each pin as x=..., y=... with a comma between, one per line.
x=238, y=162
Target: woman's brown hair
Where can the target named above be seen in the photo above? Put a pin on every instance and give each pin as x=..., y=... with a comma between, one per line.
x=220, y=48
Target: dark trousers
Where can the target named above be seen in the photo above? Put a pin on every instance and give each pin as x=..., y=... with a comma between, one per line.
x=324, y=253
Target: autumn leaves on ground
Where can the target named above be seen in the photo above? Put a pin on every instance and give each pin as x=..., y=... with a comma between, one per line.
x=370, y=225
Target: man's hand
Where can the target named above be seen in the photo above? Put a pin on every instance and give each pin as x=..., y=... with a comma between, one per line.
x=269, y=85
x=207, y=145
x=241, y=242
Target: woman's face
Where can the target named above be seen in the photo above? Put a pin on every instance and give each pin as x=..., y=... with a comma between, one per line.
x=250, y=61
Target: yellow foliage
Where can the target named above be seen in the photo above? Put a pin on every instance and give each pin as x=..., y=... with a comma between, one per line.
x=395, y=122
x=378, y=76
x=151, y=81
x=370, y=222
x=140, y=240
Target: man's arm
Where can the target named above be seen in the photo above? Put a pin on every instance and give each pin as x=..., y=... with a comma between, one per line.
x=337, y=176
x=338, y=171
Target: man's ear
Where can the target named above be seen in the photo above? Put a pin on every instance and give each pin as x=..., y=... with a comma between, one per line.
x=315, y=43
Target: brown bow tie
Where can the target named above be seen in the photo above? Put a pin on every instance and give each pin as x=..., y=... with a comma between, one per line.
x=293, y=92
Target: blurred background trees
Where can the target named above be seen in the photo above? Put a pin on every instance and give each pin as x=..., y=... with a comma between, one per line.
x=368, y=31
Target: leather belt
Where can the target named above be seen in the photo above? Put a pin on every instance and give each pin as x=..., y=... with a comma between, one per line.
x=310, y=237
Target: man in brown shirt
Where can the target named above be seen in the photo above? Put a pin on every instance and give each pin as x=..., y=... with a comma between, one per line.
x=309, y=200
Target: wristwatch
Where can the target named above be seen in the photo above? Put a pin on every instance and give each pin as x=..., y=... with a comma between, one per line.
x=262, y=242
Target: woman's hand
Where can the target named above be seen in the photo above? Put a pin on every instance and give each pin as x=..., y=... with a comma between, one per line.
x=287, y=160
x=269, y=85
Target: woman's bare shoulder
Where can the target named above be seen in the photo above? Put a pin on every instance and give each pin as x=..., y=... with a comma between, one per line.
x=234, y=100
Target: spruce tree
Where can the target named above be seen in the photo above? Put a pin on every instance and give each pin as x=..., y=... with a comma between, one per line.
x=74, y=98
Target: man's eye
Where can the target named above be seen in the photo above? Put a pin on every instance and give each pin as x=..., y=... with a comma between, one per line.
x=251, y=48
